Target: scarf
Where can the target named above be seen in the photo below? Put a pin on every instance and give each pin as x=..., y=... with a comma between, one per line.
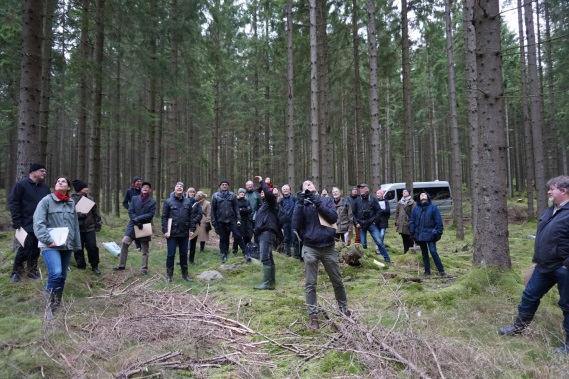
x=405, y=200
x=61, y=196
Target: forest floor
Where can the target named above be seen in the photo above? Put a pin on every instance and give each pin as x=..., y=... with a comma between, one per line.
x=123, y=324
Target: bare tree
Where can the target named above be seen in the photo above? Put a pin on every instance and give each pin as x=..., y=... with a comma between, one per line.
x=536, y=109
x=407, y=120
x=30, y=87
x=373, y=95
x=290, y=98
x=314, y=135
x=456, y=163
x=491, y=234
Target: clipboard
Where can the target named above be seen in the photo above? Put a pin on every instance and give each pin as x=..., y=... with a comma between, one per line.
x=169, y=229
x=58, y=235
x=193, y=235
x=84, y=205
x=323, y=222
x=146, y=231
x=21, y=236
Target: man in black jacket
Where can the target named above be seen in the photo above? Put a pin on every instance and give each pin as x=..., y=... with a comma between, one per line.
x=89, y=224
x=267, y=230
x=179, y=218
x=225, y=218
x=365, y=211
x=551, y=258
x=318, y=246
x=22, y=201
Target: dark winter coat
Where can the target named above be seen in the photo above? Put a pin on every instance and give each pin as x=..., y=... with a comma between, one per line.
x=88, y=222
x=266, y=218
x=130, y=193
x=365, y=211
x=306, y=223
x=246, y=214
x=344, y=212
x=140, y=212
x=185, y=216
x=286, y=209
x=382, y=218
x=426, y=223
x=23, y=200
x=551, y=249
x=224, y=208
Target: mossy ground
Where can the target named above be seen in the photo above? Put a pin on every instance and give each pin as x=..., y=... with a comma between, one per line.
x=467, y=307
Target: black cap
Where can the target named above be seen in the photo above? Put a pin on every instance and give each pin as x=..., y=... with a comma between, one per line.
x=146, y=184
x=224, y=181
x=78, y=185
x=362, y=185
x=36, y=166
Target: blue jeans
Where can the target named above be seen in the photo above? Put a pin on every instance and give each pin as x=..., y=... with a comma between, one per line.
x=57, y=263
x=172, y=243
x=266, y=242
x=539, y=284
x=377, y=234
x=431, y=247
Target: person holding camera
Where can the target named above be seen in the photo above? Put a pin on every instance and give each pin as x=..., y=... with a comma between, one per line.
x=141, y=211
x=426, y=226
x=312, y=221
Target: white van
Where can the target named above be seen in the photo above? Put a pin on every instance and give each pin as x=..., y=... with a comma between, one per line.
x=438, y=191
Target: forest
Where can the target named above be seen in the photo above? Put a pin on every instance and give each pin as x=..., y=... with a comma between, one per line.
x=338, y=92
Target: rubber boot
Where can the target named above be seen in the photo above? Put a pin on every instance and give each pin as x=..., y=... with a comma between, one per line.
x=565, y=348
x=313, y=323
x=266, y=284
x=272, y=280
x=185, y=275
x=516, y=328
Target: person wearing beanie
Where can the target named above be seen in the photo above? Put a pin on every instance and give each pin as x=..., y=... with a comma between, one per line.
x=22, y=202
x=56, y=210
x=246, y=227
x=225, y=218
x=141, y=211
x=89, y=224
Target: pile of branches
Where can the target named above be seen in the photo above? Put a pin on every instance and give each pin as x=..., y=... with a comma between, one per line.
x=136, y=329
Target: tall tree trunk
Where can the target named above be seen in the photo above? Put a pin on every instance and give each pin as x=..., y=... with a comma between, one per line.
x=556, y=140
x=314, y=136
x=358, y=158
x=83, y=92
x=95, y=145
x=257, y=121
x=456, y=165
x=325, y=140
x=268, y=139
x=116, y=134
x=530, y=182
x=290, y=99
x=491, y=236
x=536, y=107
x=30, y=87
x=373, y=96
x=46, y=76
x=408, y=156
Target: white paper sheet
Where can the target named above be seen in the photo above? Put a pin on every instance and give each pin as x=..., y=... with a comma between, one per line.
x=84, y=205
x=323, y=222
x=58, y=235
x=146, y=231
x=21, y=235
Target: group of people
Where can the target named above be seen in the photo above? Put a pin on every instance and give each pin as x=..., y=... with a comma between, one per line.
x=308, y=225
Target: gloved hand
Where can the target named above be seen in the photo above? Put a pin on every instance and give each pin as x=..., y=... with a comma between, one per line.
x=139, y=225
x=15, y=225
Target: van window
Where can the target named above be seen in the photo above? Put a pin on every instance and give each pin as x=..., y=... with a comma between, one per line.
x=390, y=195
x=435, y=193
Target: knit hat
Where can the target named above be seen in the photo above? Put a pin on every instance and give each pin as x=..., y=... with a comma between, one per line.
x=135, y=178
x=224, y=181
x=146, y=184
x=363, y=185
x=241, y=190
x=78, y=185
x=36, y=166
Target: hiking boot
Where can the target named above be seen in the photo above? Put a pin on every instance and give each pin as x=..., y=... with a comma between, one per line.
x=185, y=276
x=235, y=251
x=144, y=271
x=15, y=278
x=118, y=268
x=34, y=275
x=345, y=311
x=313, y=323
x=443, y=274
x=96, y=271
x=268, y=282
x=516, y=328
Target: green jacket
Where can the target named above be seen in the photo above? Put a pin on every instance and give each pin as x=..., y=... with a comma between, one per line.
x=54, y=213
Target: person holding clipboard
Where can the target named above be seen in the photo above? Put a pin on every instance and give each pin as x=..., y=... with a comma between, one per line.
x=56, y=227
x=141, y=212
x=89, y=224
